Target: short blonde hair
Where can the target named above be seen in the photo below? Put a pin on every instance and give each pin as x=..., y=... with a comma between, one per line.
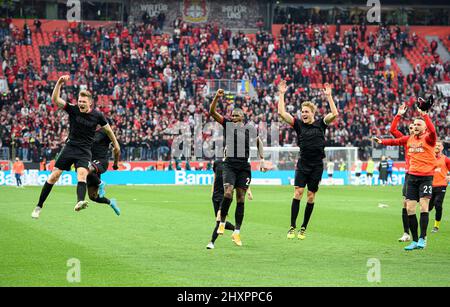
x=310, y=105
x=85, y=93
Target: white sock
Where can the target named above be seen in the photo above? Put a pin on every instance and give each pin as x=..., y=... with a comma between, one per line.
x=237, y=231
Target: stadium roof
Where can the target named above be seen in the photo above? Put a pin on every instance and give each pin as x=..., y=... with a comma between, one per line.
x=363, y=2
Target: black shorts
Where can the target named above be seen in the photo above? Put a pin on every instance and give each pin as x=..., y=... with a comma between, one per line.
x=419, y=187
x=100, y=166
x=94, y=178
x=69, y=155
x=358, y=174
x=438, y=197
x=330, y=175
x=405, y=185
x=308, y=175
x=237, y=174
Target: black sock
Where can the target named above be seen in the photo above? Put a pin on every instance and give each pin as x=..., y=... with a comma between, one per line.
x=412, y=219
x=224, y=207
x=214, y=234
x=295, y=208
x=239, y=215
x=405, y=220
x=93, y=179
x=438, y=216
x=102, y=200
x=81, y=190
x=229, y=226
x=308, y=211
x=423, y=224
x=46, y=189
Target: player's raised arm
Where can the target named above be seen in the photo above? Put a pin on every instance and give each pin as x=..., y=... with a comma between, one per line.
x=331, y=117
x=56, y=99
x=116, y=149
x=392, y=142
x=285, y=116
x=432, y=136
x=212, y=108
x=394, y=126
x=260, y=146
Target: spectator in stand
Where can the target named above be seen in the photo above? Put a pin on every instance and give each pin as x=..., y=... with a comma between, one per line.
x=433, y=46
x=26, y=34
x=37, y=24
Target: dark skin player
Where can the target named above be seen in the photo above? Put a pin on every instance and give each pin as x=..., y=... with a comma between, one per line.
x=237, y=169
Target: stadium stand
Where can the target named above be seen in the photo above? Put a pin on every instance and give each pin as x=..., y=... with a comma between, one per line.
x=146, y=81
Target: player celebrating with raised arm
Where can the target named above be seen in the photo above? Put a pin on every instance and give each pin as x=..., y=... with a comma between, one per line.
x=441, y=179
x=217, y=198
x=397, y=134
x=236, y=166
x=83, y=121
x=311, y=140
x=421, y=170
x=99, y=165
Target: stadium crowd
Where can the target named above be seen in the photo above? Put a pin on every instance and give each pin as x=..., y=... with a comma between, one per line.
x=153, y=81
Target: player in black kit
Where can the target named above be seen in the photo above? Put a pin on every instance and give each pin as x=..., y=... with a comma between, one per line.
x=99, y=165
x=236, y=167
x=83, y=121
x=217, y=198
x=311, y=140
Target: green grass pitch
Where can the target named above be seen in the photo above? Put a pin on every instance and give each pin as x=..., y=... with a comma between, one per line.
x=160, y=240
